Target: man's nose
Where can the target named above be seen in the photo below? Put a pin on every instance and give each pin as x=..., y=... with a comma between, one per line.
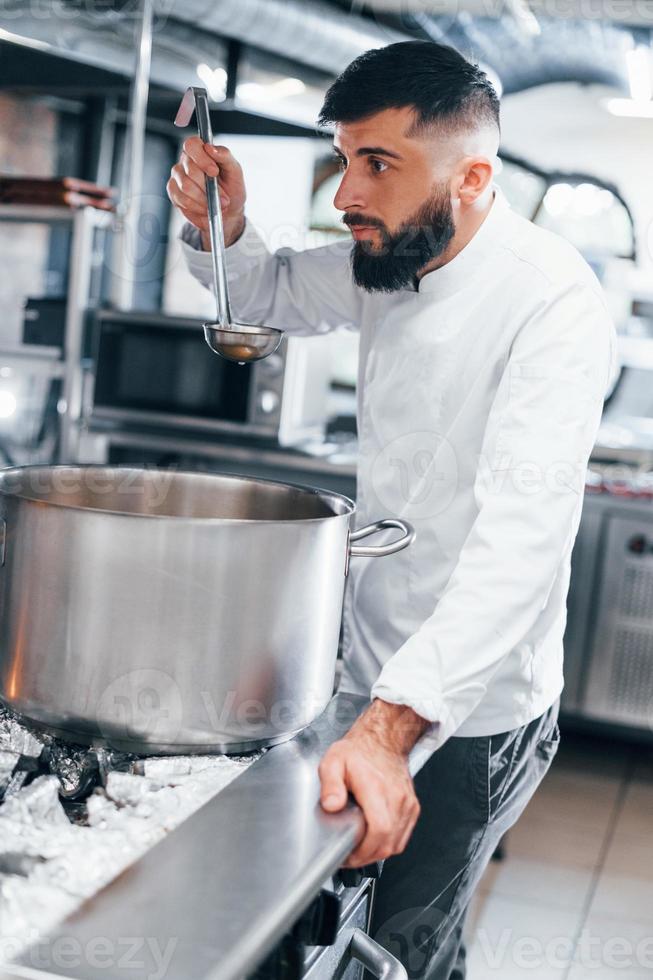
x=349, y=193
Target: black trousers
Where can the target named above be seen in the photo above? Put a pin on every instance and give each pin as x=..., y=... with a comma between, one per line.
x=471, y=791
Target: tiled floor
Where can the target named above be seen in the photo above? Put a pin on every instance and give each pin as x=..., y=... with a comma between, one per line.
x=573, y=898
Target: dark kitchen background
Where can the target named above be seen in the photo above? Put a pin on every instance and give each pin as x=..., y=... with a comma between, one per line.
x=100, y=362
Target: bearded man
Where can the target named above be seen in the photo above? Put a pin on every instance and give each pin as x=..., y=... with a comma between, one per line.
x=485, y=355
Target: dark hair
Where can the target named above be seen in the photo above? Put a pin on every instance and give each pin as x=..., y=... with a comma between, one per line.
x=441, y=85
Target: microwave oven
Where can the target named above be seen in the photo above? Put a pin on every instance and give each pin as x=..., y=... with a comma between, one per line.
x=158, y=370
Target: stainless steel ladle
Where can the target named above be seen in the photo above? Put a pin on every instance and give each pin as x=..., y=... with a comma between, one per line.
x=240, y=342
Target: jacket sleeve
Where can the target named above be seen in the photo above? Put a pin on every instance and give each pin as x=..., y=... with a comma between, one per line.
x=529, y=486
x=310, y=292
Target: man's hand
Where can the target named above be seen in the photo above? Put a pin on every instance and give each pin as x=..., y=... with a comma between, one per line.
x=187, y=191
x=371, y=763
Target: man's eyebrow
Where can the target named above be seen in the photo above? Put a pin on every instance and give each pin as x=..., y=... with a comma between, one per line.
x=366, y=151
x=377, y=151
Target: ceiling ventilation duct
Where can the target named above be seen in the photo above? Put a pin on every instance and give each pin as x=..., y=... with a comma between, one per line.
x=105, y=38
x=323, y=36
x=635, y=14
x=563, y=51
x=314, y=33
x=311, y=33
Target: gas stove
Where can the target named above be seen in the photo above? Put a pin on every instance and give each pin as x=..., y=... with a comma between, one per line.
x=158, y=868
x=72, y=818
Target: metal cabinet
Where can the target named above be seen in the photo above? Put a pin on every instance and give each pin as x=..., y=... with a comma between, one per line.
x=619, y=682
x=609, y=636
x=579, y=604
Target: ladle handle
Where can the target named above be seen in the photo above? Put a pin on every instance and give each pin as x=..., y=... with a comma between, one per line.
x=216, y=230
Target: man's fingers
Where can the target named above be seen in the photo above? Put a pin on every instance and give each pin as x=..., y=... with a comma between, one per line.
x=211, y=159
x=381, y=822
x=224, y=158
x=193, y=172
x=190, y=203
x=199, y=161
x=184, y=189
x=390, y=811
x=202, y=155
x=187, y=186
x=333, y=789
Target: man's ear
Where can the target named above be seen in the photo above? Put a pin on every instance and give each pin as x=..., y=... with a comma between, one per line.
x=474, y=176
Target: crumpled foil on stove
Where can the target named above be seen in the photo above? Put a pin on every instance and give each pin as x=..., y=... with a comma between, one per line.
x=8, y=762
x=73, y=765
x=13, y=863
x=14, y=737
x=126, y=789
x=170, y=770
x=36, y=805
x=33, y=823
x=111, y=760
x=15, y=784
x=64, y=863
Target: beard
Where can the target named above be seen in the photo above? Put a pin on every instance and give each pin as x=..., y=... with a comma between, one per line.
x=422, y=237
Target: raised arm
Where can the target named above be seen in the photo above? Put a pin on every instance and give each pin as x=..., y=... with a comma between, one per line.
x=302, y=292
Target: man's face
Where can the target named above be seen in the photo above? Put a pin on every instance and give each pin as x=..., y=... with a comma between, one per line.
x=396, y=198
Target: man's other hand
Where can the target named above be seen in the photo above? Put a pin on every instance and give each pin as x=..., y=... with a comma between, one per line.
x=371, y=763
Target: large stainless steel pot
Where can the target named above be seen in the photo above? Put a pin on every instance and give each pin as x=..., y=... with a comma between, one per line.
x=171, y=612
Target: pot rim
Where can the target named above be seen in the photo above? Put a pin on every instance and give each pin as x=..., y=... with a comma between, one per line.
x=350, y=506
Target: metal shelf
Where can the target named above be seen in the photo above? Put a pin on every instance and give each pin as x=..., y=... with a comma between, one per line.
x=47, y=214
x=83, y=222
x=40, y=360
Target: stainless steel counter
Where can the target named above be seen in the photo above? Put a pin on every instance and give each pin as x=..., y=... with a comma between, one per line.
x=330, y=466
x=317, y=459
x=216, y=895
x=241, y=453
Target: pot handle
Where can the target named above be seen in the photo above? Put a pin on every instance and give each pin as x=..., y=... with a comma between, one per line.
x=377, y=551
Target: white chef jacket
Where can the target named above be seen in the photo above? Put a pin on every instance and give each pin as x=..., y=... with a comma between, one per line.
x=479, y=398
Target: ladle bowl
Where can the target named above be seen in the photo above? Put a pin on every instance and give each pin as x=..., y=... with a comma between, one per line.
x=242, y=342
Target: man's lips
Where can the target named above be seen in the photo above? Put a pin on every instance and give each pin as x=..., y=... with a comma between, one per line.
x=362, y=231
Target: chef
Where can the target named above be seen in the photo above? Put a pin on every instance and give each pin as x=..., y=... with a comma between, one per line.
x=485, y=355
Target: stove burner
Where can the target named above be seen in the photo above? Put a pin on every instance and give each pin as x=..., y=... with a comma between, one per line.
x=25, y=754
x=72, y=818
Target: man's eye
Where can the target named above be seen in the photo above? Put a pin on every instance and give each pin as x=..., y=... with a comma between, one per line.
x=341, y=163
x=378, y=166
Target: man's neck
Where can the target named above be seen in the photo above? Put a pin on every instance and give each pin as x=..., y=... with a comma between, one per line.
x=465, y=231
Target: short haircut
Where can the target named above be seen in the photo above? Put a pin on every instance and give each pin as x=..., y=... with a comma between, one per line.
x=442, y=87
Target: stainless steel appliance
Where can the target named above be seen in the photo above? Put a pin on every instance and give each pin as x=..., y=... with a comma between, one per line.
x=172, y=612
x=156, y=370
x=619, y=684
x=609, y=635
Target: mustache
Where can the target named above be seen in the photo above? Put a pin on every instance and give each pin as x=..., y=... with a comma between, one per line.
x=359, y=219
